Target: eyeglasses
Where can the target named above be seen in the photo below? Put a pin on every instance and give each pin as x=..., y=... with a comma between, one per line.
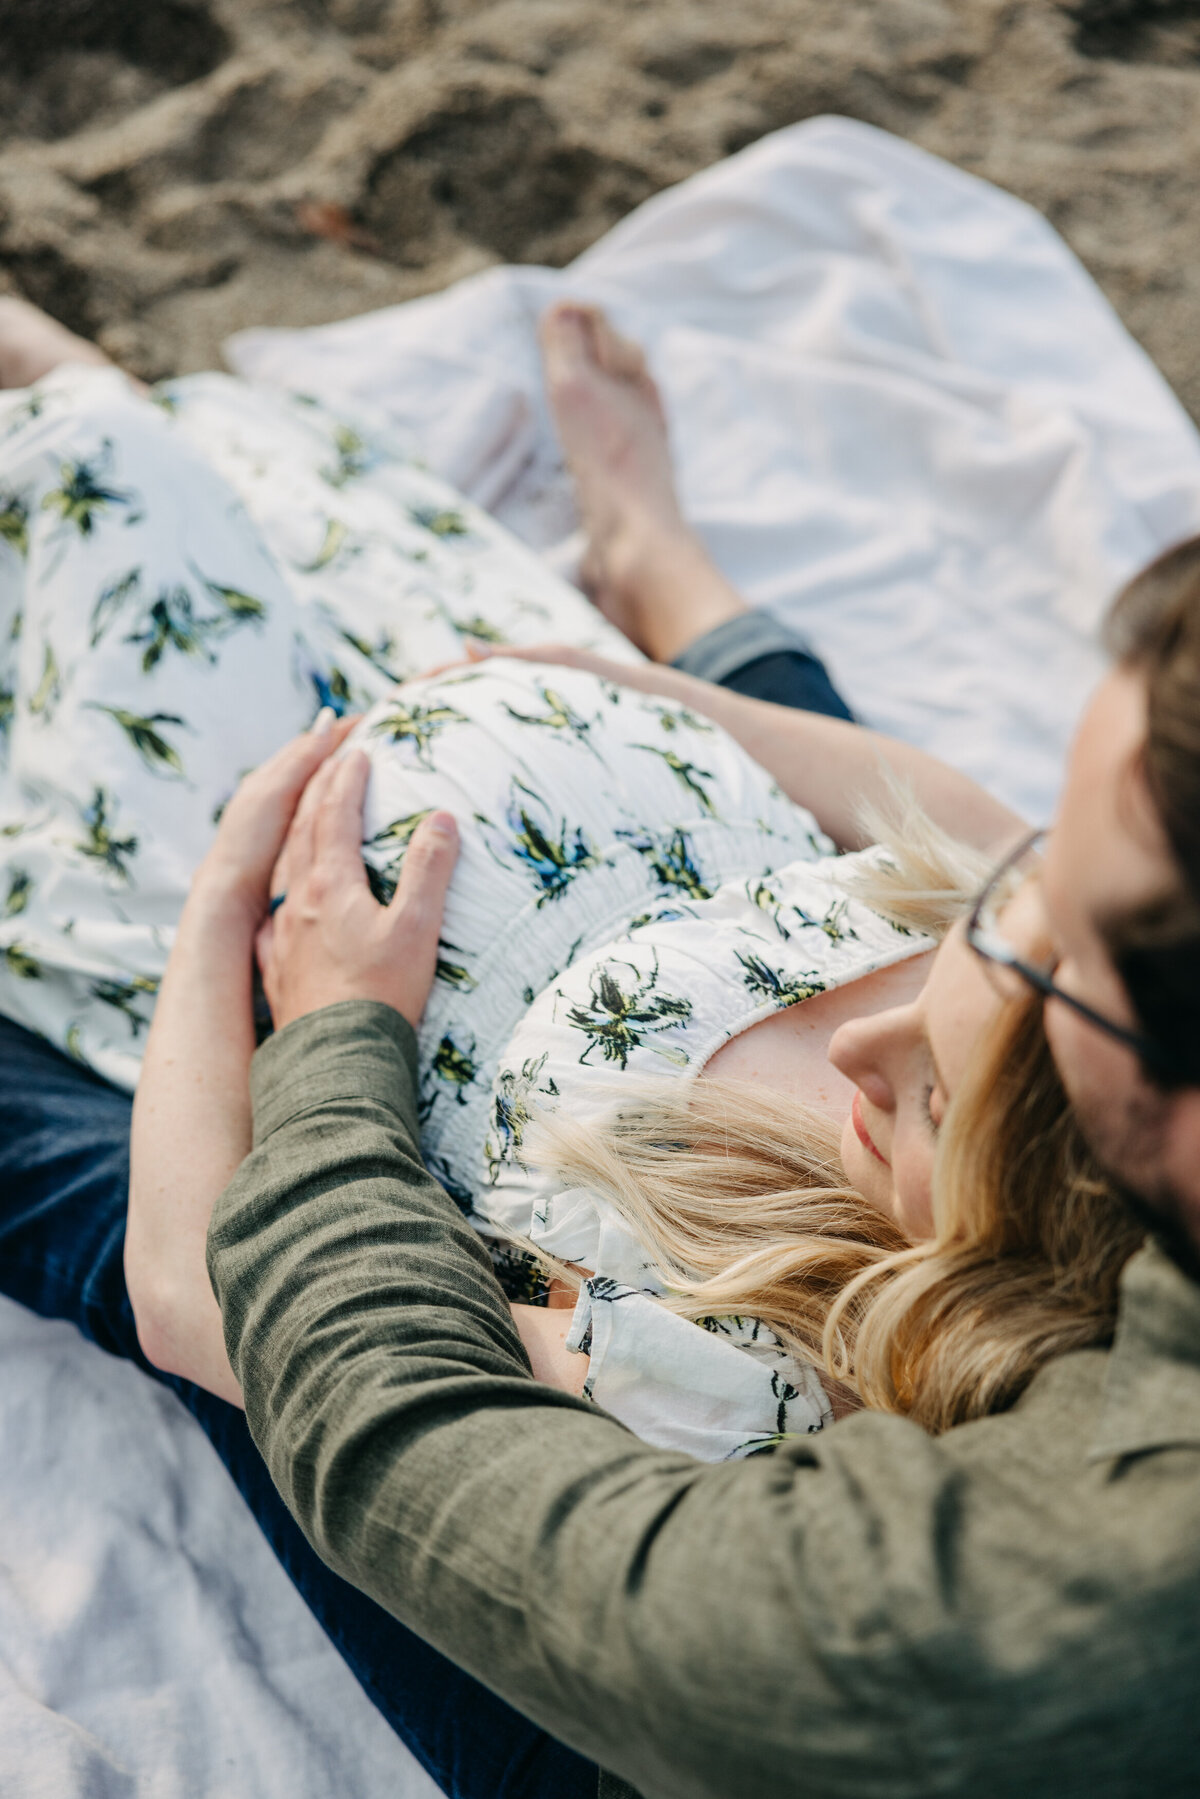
x=985, y=935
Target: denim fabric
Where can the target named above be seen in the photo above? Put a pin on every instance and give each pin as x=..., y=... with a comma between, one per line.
x=757, y=655
x=64, y=1180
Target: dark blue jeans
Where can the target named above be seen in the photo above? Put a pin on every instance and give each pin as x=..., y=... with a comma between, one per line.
x=756, y=654
x=64, y=1181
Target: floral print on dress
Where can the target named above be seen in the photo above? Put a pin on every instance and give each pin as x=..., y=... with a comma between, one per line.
x=671, y=859
x=558, y=716
x=101, y=842
x=600, y=924
x=694, y=780
x=185, y=579
x=627, y=1010
x=405, y=722
x=512, y=1109
x=82, y=496
x=776, y=985
x=552, y=852
x=14, y=523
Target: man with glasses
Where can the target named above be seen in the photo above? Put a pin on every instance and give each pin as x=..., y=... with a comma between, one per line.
x=1120, y=885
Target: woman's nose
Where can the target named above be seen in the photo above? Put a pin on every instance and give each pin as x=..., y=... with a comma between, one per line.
x=865, y=1051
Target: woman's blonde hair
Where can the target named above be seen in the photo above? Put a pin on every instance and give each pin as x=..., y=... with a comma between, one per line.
x=740, y=1198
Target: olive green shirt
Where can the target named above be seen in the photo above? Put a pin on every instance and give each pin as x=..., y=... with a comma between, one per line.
x=1011, y=1608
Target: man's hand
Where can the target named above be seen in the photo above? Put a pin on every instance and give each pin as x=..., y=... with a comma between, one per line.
x=330, y=939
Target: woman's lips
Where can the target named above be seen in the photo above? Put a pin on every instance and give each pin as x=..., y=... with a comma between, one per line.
x=860, y=1129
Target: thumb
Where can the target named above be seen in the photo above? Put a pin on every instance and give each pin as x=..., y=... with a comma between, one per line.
x=416, y=911
x=425, y=873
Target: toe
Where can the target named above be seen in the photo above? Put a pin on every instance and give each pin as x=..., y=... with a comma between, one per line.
x=617, y=355
x=628, y=361
x=564, y=342
x=625, y=361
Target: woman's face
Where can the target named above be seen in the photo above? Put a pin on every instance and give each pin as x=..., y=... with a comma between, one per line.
x=907, y=1064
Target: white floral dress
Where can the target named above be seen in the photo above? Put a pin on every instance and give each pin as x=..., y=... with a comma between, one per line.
x=184, y=580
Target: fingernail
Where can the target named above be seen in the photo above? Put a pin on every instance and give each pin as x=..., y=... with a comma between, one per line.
x=322, y=724
x=478, y=649
x=442, y=824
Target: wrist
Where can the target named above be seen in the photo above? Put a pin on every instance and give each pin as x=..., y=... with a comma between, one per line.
x=704, y=697
x=220, y=900
x=292, y=1007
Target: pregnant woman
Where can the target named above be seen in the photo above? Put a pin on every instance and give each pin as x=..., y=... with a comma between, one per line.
x=187, y=577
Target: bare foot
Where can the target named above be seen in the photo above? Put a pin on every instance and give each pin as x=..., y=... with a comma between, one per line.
x=644, y=568
x=32, y=343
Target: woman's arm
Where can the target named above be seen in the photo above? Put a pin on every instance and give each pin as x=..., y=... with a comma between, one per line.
x=191, y=1129
x=191, y=1115
x=823, y=763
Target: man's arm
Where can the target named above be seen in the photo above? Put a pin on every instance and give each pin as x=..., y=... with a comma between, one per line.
x=677, y=1622
x=807, y=1620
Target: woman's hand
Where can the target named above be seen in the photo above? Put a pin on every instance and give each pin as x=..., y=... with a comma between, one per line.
x=191, y=1116
x=237, y=869
x=330, y=939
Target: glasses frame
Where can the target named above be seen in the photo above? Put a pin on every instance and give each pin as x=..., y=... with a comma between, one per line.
x=990, y=948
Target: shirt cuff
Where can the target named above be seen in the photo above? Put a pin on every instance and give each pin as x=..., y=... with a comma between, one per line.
x=736, y=643
x=358, y=1049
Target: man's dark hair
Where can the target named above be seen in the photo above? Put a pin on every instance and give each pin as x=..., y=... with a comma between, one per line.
x=1153, y=630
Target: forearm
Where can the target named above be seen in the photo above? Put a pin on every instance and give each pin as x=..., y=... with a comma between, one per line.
x=191, y=1129
x=522, y=1531
x=836, y=769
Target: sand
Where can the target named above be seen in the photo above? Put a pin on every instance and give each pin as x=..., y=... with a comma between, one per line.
x=172, y=170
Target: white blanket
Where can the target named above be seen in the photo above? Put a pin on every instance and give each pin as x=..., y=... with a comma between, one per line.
x=905, y=417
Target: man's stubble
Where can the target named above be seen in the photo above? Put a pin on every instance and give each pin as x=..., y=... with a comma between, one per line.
x=1126, y=1137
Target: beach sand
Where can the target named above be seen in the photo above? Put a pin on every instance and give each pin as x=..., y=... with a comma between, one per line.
x=173, y=170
